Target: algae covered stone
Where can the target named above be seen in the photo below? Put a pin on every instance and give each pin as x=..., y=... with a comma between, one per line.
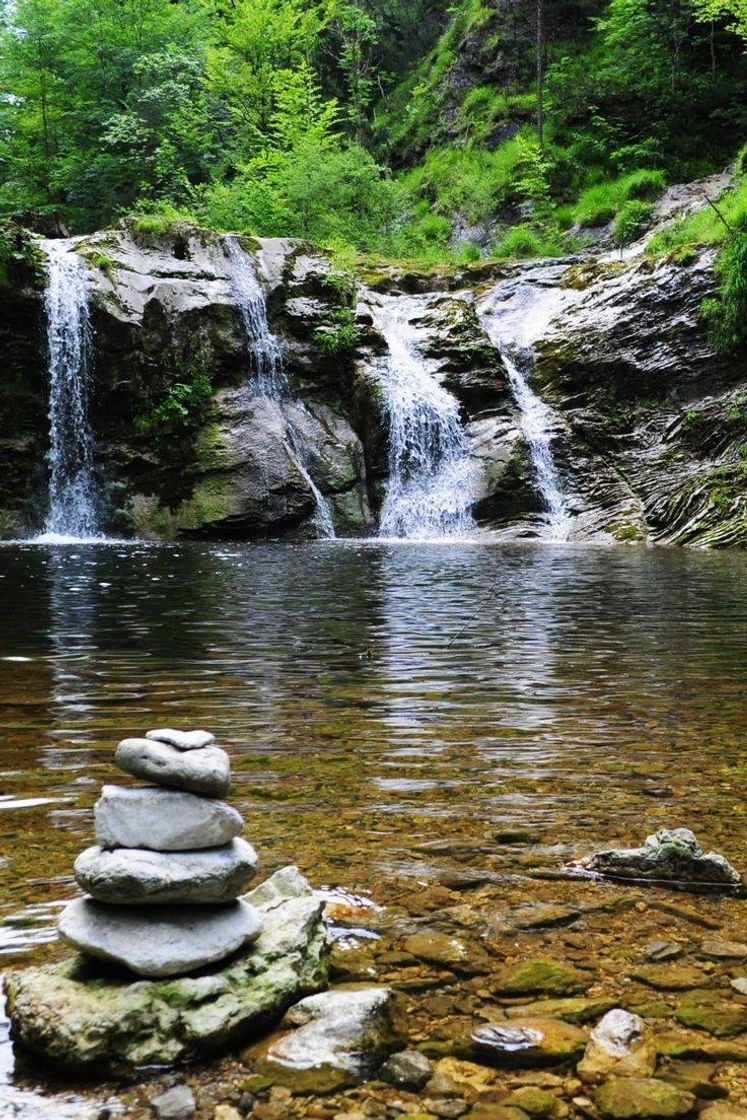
x=669, y=855
x=541, y=977
x=529, y=1041
x=627, y=1098
x=80, y=1017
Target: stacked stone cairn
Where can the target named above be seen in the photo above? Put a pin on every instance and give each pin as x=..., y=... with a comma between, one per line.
x=164, y=878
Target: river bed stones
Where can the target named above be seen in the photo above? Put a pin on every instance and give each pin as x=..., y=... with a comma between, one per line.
x=165, y=820
x=204, y=771
x=129, y=876
x=671, y=855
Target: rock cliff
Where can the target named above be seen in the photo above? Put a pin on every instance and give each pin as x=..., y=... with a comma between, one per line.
x=649, y=426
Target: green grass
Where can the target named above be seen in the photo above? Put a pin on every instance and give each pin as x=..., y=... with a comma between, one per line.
x=601, y=203
x=472, y=181
x=704, y=227
x=522, y=242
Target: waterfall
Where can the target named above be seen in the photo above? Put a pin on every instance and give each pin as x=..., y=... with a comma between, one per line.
x=513, y=315
x=265, y=353
x=297, y=450
x=267, y=376
x=431, y=471
x=73, y=498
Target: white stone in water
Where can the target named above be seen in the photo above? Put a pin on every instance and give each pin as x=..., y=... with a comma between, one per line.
x=159, y=942
x=166, y=820
x=127, y=876
x=339, y=1030
x=182, y=740
x=205, y=772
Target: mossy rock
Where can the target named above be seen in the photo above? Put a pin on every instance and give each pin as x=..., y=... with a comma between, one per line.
x=541, y=976
x=709, y=1011
x=625, y=1098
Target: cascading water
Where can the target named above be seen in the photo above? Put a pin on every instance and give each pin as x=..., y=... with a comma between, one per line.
x=431, y=471
x=265, y=352
x=297, y=449
x=267, y=374
x=513, y=315
x=73, y=497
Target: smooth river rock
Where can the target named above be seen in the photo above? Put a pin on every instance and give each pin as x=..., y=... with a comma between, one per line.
x=205, y=772
x=165, y=820
x=182, y=740
x=127, y=876
x=77, y=1017
x=339, y=1036
x=671, y=855
x=168, y=941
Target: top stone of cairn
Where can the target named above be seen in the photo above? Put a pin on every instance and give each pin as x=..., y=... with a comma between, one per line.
x=182, y=740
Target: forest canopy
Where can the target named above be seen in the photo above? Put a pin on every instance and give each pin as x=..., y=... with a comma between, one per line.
x=387, y=126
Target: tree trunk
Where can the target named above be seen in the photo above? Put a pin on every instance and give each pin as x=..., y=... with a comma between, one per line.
x=541, y=72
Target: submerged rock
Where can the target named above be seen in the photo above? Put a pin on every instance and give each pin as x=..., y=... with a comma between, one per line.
x=545, y=977
x=177, y=1103
x=79, y=1017
x=626, y=1098
x=128, y=876
x=672, y=855
x=709, y=1011
x=619, y=1045
x=409, y=1069
x=204, y=772
x=670, y=977
x=156, y=941
x=166, y=820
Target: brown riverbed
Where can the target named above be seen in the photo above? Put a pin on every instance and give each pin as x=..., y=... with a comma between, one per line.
x=436, y=729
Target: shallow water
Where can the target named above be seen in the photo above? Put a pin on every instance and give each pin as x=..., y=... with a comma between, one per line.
x=377, y=698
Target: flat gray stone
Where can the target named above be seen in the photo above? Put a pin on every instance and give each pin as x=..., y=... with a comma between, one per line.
x=127, y=876
x=167, y=941
x=182, y=740
x=177, y=1103
x=74, y=1017
x=205, y=772
x=166, y=820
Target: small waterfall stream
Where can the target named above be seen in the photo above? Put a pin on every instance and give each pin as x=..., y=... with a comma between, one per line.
x=265, y=352
x=512, y=316
x=267, y=377
x=431, y=471
x=73, y=497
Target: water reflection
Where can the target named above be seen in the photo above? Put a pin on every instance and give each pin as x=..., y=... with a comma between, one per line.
x=376, y=699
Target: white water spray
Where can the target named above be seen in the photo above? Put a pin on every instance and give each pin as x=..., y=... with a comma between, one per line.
x=513, y=316
x=297, y=449
x=265, y=352
x=73, y=497
x=431, y=471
